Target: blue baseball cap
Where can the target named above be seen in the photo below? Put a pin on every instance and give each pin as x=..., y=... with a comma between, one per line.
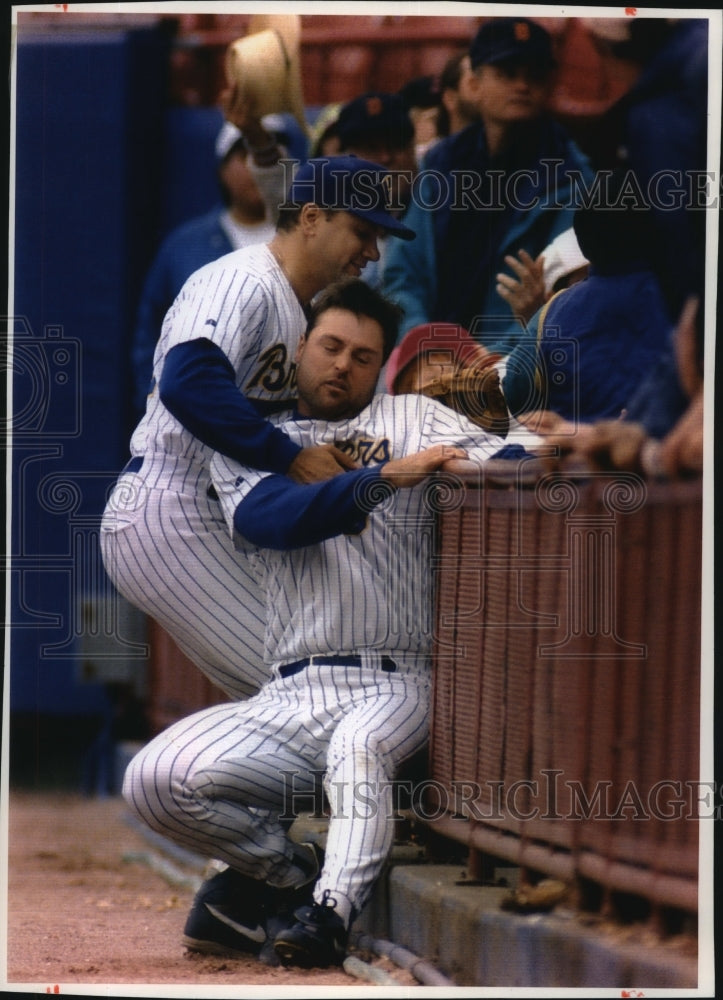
x=348, y=184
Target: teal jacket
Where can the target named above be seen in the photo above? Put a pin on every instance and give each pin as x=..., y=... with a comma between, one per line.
x=468, y=212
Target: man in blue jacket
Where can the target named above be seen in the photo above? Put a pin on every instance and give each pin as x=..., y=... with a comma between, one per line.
x=506, y=184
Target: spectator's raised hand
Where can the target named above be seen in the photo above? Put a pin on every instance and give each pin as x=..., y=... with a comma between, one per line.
x=524, y=291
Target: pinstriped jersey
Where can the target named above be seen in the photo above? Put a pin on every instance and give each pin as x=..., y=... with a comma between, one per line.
x=243, y=303
x=372, y=590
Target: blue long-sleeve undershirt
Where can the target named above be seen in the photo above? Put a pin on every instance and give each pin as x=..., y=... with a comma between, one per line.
x=279, y=513
x=198, y=386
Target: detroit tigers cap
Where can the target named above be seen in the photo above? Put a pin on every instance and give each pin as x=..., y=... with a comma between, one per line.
x=349, y=184
x=512, y=39
x=375, y=115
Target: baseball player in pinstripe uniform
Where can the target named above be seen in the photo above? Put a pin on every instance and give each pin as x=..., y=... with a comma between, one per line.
x=344, y=567
x=225, y=357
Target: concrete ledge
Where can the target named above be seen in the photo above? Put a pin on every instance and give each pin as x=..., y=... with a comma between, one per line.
x=462, y=930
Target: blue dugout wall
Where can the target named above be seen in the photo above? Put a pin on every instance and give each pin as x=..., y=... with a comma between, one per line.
x=102, y=169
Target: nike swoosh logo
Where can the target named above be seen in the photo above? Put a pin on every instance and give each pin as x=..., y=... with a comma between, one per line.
x=257, y=933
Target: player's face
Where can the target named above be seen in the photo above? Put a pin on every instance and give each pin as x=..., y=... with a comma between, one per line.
x=345, y=245
x=338, y=365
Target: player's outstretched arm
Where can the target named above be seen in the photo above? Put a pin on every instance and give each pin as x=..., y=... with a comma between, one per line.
x=413, y=469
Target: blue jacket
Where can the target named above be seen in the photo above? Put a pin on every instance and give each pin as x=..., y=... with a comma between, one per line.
x=663, y=137
x=448, y=272
x=184, y=250
x=599, y=340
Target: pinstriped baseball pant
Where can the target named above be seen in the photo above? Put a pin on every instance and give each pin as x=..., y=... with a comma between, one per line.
x=170, y=554
x=220, y=781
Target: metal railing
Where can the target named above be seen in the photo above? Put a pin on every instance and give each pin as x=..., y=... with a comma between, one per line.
x=566, y=714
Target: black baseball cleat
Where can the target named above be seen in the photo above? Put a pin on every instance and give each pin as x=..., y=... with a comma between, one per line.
x=228, y=916
x=283, y=903
x=317, y=940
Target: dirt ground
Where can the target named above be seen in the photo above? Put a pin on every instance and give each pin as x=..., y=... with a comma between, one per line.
x=83, y=908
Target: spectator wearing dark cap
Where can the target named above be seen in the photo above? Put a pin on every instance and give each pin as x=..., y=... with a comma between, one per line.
x=324, y=140
x=422, y=98
x=457, y=95
x=251, y=187
x=376, y=126
x=505, y=184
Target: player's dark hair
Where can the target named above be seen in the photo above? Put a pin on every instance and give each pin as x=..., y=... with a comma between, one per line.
x=288, y=217
x=290, y=214
x=357, y=297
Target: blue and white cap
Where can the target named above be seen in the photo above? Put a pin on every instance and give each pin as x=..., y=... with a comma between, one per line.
x=350, y=184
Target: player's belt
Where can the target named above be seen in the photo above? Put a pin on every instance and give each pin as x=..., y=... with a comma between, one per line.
x=386, y=663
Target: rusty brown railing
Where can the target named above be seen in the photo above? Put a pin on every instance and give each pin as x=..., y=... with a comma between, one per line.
x=566, y=715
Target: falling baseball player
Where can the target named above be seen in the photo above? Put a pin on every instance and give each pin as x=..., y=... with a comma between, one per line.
x=344, y=567
x=225, y=357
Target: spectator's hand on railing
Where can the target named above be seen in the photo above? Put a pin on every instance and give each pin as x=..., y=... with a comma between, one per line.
x=681, y=450
x=546, y=422
x=603, y=445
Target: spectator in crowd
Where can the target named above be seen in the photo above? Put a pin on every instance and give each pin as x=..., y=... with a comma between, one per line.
x=428, y=351
x=458, y=103
x=597, y=340
x=504, y=184
x=563, y=263
x=324, y=137
x=421, y=97
x=662, y=432
x=377, y=127
x=659, y=130
x=252, y=186
x=532, y=282
x=430, y=360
